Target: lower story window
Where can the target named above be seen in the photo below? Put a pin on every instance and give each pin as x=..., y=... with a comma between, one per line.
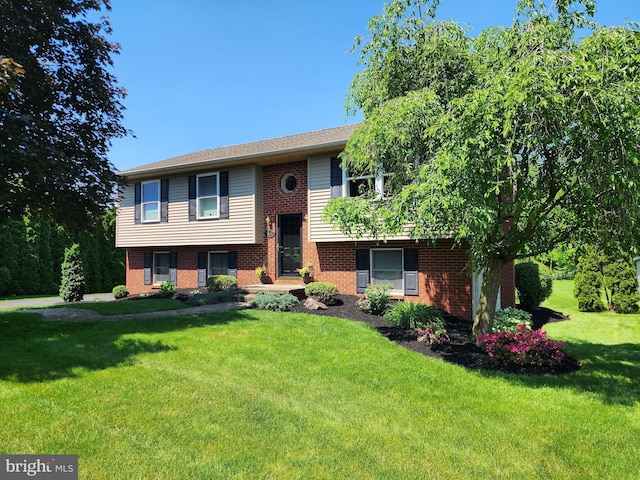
x=387, y=267
x=218, y=263
x=161, y=262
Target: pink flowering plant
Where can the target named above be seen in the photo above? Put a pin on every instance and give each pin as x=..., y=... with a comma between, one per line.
x=523, y=347
x=375, y=299
x=434, y=333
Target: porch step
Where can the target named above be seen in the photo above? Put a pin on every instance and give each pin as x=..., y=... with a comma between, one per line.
x=246, y=293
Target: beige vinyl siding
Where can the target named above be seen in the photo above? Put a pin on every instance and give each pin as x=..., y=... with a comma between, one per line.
x=245, y=201
x=319, y=194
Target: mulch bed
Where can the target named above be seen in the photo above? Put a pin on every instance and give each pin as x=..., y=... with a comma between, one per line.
x=461, y=350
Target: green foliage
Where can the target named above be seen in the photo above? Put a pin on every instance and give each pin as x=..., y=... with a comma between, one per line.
x=508, y=319
x=535, y=126
x=622, y=281
x=281, y=302
x=5, y=278
x=534, y=284
x=588, y=281
x=61, y=115
x=412, y=314
x=324, y=292
x=120, y=291
x=220, y=283
x=72, y=287
x=219, y=296
x=375, y=299
x=167, y=289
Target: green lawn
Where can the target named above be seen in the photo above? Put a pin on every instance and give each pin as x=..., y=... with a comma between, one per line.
x=252, y=394
x=130, y=306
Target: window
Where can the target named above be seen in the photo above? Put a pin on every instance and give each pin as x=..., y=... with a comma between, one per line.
x=150, y=201
x=207, y=194
x=161, y=264
x=387, y=267
x=218, y=263
x=357, y=185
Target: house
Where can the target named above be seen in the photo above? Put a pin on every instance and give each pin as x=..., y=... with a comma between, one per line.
x=229, y=210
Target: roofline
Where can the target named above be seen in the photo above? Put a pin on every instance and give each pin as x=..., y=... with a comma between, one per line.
x=317, y=148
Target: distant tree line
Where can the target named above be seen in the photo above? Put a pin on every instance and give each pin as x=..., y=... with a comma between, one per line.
x=32, y=252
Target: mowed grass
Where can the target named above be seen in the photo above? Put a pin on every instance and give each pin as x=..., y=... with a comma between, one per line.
x=128, y=306
x=251, y=394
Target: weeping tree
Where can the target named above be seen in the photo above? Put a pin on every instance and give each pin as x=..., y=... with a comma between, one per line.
x=513, y=141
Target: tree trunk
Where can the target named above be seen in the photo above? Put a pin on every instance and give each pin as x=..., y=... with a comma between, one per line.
x=491, y=280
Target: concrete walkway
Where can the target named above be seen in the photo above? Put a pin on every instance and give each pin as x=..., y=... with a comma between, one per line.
x=70, y=314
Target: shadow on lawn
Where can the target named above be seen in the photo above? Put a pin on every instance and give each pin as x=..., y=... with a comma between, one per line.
x=609, y=371
x=34, y=351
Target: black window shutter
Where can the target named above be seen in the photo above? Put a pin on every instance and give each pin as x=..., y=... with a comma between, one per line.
x=336, y=178
x=148, y=265
x=192, y=198
x=224, y=194
x=362, y=270
x=202, y=269
x=232, y=264
x=137, y=200
x=164, y=200
x=411, y=271
x=173, y=267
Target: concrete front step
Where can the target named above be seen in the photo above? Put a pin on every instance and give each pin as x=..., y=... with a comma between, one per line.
x=246, y=293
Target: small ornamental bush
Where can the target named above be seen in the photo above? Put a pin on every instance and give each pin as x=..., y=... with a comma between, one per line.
x=508, y=319
x=167, y=289
x=120, y=291
x=324, y=292
x=72, y=286
x=375, y=299
x=412, y=315
x=222, y=283
x=281, y=302
x=524, y=347
x=197, y=299
x=534, y=284
x=434, y=333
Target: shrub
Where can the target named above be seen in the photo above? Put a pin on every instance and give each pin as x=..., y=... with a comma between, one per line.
x=534, y=284
x=412, y=315
x=5, y=278
x=281, y=302
x=222, y=283
x=324, y=292
x=524, y=347
x=587, y=287
x=120, y=291
x=167, y=289
x=508, y=319
x=375, y=299
x=433, y=333
x=72, y=281
x=621, y=278
x=199, y=298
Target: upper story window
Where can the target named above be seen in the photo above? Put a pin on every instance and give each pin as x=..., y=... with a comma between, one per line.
x=208, y=188
x=357, y=185
x=150, y=201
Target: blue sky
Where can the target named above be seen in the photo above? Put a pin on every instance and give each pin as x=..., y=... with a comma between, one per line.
x=208, y=73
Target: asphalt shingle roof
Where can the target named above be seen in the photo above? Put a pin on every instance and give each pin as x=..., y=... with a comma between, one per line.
x=284, y=147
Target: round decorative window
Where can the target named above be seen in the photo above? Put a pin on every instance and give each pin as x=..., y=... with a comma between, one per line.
x=289, y=182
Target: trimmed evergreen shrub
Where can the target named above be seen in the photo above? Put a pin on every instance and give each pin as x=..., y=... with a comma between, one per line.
x=72, y=286
x=412, y=314
x=324, y=292
x=587, y=287
x=120, y=291
x=534, y=284
x=222, y=283
x=624, y=288
x=508, y=319
x=210, y=298
x=282, y=302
